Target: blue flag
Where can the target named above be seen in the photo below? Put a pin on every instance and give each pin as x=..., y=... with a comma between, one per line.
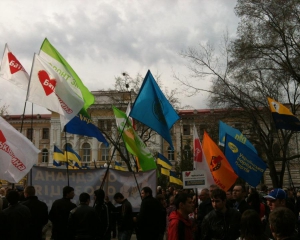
x=233, y=132
x=246, y=164
x=152, y=108
x=82, y=125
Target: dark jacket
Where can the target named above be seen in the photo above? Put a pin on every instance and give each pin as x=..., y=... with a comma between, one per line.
x=125, y=218
x=83, y=223
x=179, y=227
x=104, y=216
x=204, y=208
x=242, y=206
x=147, y=220
x=59, y=215
x=217, y=225
x=18, y=219
x=39, y=215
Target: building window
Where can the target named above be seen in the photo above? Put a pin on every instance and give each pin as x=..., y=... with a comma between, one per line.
x=30, y=133
x=105, y=124
x=104, y=153
x=86, y=149
x=45, y=155
x=45, y=133
x=170, y=154
x=186, y=130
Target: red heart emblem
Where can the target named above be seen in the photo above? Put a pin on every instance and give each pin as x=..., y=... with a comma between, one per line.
x=187, y=174
x=47, y=83
x=14, y=64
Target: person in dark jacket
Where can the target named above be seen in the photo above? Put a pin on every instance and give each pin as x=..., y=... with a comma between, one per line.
x=147, y=220
x=204, y=208
x=59, y=214
x=39, y=213
x=239, y=194
x=18, y=218
x=180, y=227
x=163, y=214
x=124, y=218
x=222, y=222
x=103, y=214
x=83, y=220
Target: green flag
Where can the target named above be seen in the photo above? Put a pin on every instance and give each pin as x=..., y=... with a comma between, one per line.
x=61, y=66
x=133, y=142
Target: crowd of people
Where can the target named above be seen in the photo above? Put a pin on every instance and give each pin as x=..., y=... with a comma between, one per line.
x=239, y=213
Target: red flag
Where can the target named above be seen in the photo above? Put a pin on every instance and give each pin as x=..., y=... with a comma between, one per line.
x=197, y=147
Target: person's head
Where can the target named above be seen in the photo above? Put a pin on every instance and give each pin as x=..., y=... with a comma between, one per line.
x=204, y=194
x=171, y=190
x=239, y=192
x=84, y=198
x=184, y=204
x=163, y=191
x=212, y=187
x=12, y=197
x=158, y=190
x=218, y=200
x=229, y=195
x=276, y=198
x=146, y=191
x=251, y=225
x=118, y=197
x=100, y=195
x=282, y=222
x=161, y=198
x=172, y=200
x=68, y=192
x=29, y=191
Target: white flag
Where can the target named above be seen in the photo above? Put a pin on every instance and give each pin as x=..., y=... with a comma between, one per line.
x=50, y=90
x=17, y=153
x=200, y=160
x=12, y=70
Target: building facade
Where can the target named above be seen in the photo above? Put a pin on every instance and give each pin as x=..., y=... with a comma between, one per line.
x=45, y=131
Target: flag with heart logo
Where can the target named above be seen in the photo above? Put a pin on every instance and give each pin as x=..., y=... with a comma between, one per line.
x=50, y=90
x=17, y=153
x=12, y=70
x=66, y=72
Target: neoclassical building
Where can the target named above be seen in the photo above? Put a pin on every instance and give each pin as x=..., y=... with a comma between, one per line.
x=45, y=131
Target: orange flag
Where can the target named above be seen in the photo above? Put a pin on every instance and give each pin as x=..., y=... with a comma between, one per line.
x=220, y=168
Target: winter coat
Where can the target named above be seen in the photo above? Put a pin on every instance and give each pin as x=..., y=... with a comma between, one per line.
x=179, y=227
x=83, y=223
x=39, y=215
x=59, y=215
x=217, y=225
x=18, y=219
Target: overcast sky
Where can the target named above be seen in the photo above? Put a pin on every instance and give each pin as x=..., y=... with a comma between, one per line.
x=103, y=38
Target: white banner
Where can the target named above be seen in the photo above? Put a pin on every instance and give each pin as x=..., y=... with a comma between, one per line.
x=49, y=183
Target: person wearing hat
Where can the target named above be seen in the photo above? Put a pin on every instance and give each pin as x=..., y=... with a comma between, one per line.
x=276, y=198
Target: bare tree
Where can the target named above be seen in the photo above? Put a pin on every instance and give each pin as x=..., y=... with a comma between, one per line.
x=4, y=109
x=252, y=67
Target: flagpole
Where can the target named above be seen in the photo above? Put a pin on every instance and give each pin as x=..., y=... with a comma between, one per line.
x=23, y=116
x=67, y=159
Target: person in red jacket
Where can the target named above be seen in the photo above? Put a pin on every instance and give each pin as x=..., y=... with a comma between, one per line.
x=180, y=227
